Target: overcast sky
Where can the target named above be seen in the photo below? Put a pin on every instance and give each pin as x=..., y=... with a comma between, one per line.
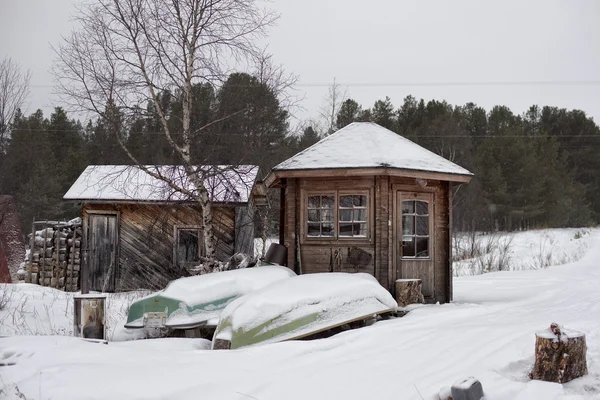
x=376, y=47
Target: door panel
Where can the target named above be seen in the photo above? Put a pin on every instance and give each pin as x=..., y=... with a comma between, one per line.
x=416, y=219
x=102, y=245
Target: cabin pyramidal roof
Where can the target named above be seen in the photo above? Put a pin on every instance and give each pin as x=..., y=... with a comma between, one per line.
x=369, y=145
x=127, y=183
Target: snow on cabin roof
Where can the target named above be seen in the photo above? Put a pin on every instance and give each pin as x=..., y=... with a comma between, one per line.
x=226, y=184
x=368, y=145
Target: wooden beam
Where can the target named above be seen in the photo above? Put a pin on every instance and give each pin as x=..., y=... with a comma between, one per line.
x=282, y=214
x=275, y=176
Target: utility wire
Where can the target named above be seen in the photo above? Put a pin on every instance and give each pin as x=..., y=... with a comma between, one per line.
x=426, y=84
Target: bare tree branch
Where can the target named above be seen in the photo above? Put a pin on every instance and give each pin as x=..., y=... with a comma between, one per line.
x=127, y=52
x=14, y=90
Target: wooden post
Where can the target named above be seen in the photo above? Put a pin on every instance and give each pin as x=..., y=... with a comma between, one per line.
x=83, y=257
x=559, y=355
x=42, y=269
x=31, y=248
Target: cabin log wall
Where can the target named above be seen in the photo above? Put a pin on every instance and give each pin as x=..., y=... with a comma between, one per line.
x=318, y=254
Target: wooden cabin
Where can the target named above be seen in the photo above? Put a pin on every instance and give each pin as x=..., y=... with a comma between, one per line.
x=367, y=199
x=140, y=233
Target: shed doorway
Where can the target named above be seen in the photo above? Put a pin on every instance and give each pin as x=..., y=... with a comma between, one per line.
x=414, y=239
x=102, y=240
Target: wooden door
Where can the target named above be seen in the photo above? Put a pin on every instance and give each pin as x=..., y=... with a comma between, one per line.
x=102, y=252
x=414, y=239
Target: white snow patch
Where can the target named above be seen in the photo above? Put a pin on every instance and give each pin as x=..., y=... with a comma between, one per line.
x=225, y=183
x=205, y=288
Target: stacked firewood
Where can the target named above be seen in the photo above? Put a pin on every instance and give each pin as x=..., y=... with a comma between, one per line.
x=55, y=255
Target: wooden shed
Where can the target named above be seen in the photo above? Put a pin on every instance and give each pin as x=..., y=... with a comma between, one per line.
x=367, y=199
x=140, y=233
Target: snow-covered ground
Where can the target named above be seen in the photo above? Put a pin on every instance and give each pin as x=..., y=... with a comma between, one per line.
x=487, y=332
x=479, y=253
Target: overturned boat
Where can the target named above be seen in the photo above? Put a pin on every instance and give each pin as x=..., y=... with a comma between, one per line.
x=302, y=307
x=197, y=301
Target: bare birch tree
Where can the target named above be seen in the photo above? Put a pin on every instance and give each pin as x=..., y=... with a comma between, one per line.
x=336, y=95
x=126, y=52
x=14, y=90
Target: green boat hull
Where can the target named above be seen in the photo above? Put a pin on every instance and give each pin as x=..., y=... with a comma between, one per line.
x=162, y=304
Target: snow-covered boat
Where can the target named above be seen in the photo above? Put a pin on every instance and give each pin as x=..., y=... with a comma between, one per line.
x=197, y=301
x=301, y=307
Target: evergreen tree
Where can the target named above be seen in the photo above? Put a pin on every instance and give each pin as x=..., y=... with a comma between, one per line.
x=383, y=113
x=350, y=111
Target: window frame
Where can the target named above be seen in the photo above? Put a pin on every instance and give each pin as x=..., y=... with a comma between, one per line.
x=415, y=234
x=404, y=192
x=201, y=248
x=336, y=193
x=321, y=222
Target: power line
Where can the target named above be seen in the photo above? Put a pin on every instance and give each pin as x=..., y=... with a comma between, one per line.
x=427, y=84
x=225, y=134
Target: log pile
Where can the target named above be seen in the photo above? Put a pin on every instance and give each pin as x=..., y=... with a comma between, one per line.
x=55, y=255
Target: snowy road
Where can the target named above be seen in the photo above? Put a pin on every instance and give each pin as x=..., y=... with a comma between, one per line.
x=487, y=332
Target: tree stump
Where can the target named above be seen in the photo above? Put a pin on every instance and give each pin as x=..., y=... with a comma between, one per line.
x=560, y=355
x=408, y=291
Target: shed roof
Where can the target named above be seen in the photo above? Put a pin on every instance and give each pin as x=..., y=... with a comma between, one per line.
x=368, y=145
x=130, y=183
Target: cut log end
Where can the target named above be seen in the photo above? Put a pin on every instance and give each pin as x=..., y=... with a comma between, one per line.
x=408, y=291
x=560, y=355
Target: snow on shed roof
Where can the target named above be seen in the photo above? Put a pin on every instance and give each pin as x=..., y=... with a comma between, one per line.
x=368, y=145
x=225, y=183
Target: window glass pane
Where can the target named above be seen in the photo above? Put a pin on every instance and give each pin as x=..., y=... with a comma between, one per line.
x=314, y=215
x=360, y=201
x=187, y=246
x=327, y=230
x=408, y=207
x=345, y=215
x=314, y=229
x=422, y=247
x=360, y=215
x=345, y=229
x=362, y=229
x=314, y=201
x=327, y=215
x=422, y=208
x=422, y=226
x=346, y=201
x=408, y=246
x=408, y=225
x=326, y=201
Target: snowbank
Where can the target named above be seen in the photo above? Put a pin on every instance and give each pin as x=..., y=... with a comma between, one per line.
x=477, y=253
x=204, y=288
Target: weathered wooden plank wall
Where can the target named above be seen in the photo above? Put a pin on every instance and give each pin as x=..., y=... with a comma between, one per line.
x=319, y=254
x=244, y=230
x=146, y=240
x=290, y=222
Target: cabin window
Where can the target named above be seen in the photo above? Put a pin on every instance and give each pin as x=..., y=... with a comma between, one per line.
x=415, y=229
x=337, y=215
x=189, y=246
x=352, y=216
x=320, y=216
